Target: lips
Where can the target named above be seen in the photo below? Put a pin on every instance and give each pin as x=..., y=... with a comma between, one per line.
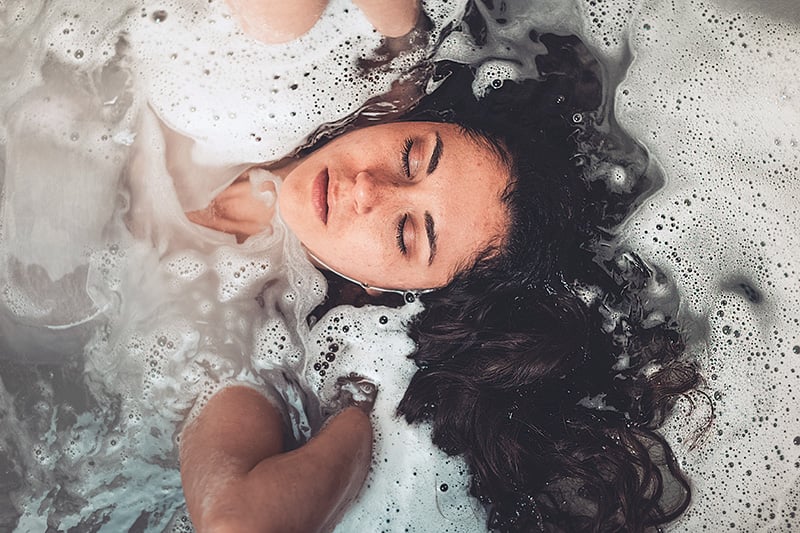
x=319, y=195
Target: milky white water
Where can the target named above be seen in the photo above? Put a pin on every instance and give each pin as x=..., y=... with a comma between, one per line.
x=135, y=315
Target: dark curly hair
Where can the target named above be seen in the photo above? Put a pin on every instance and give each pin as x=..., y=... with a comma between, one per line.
x=536, y=363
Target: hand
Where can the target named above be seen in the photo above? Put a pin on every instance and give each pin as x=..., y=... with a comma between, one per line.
x=238, y=210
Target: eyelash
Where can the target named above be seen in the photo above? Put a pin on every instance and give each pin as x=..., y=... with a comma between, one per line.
x=409, y=143
x=400, y=241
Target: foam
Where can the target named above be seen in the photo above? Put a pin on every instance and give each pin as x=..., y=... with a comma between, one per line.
x=716, y=109
x=171, y=312
x=139, y=329
x=712, y=94
x=243, y=101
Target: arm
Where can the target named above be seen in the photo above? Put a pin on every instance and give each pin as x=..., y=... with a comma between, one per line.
x=277, y=21
x=236, y=477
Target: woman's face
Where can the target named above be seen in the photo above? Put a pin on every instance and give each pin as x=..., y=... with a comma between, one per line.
x=399, y=205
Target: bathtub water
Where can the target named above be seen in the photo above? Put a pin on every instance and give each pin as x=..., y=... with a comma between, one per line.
x=720, y=110
x=130, y=331
x=134, y=316
x=711, y=90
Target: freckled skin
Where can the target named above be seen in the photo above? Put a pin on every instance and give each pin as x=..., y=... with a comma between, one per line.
x=369, y=192
x=380, y=188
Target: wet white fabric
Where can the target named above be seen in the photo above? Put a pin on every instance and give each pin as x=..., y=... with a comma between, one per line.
x=120, y=118
x=168, y=313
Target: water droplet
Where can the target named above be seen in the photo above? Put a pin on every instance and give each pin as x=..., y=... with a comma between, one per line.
x=78, y=54
x=74, y=136
x=383, y=319
x=159, y=16
x=162, y=341
x=443, y=487
x=330, y=357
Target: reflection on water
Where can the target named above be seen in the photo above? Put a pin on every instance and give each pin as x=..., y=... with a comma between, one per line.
x=87, y=436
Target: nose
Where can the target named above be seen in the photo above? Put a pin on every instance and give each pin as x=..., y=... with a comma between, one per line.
x=367, y=192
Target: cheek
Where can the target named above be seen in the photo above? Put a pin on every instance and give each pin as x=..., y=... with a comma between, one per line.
x=287, y=206
x=359, y=255
x=356, y=248
x=295, y=211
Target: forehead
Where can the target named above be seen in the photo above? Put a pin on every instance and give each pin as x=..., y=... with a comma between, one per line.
x=471, y=180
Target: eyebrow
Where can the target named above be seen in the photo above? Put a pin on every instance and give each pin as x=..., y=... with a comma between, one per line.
x=431, y=233
x=436, y=155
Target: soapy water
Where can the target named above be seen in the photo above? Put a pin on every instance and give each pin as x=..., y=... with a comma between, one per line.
x=134, y=319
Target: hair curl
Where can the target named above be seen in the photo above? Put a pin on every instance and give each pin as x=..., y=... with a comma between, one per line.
x=535, y=363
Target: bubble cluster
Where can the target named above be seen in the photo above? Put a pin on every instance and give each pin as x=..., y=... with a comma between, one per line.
x=238, y=274
x=373, y=342
x=171, y=315
x=709, y=90
x=712, y=108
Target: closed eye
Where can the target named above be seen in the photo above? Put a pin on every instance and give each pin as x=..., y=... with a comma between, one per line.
x=407, y=145
x=401, y=241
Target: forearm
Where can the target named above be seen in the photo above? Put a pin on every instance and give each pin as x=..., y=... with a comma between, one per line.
x=236, y=477
x=234, y=432
x=274, y=21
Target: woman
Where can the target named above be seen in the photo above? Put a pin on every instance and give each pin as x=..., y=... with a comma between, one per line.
x=511, y=343
x=407, y=217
